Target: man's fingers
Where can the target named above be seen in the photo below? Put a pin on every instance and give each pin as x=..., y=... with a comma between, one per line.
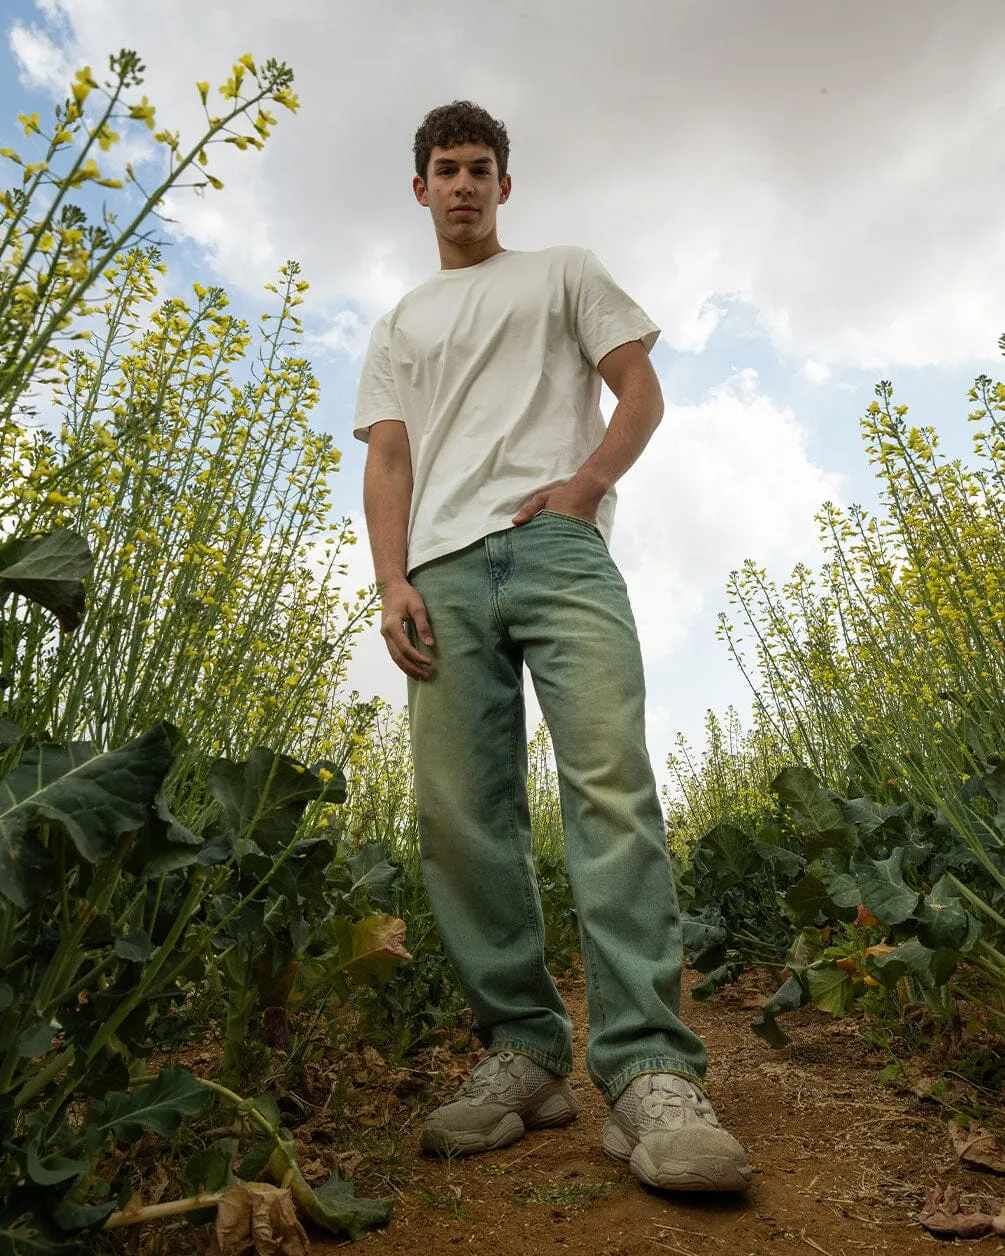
x=422, y=626
x=529, y=509
x=405, y=655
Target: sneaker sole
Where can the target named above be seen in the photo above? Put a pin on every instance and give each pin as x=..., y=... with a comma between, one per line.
x=709, y=1174
x=559, y=1108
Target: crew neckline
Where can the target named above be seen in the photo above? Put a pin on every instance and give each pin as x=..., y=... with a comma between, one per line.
x=466, y=270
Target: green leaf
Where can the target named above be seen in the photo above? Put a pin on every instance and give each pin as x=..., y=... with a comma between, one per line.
x=372, y=872
x=334, y=1206
x=787, y=998
x=94, y=798
x=10, y=734
x=831, y=988
x=928, y=967
x=842, y=888
x=164, y=844
x=254, y=1163
x=716, y=980
x=48, y=1164
x=883, y=890
x=264, y=798
x=811, y=805
x=6, y=996
x=726, y=855
x=34, y=1041
x=866, y=815
x=265, y=1106
x=73, y=1217
x=210, y=1169
x=943, y=921
x=134, y=947
x=705, y=940
x=160, y=1106
x=788, y=862
x=336, y=788
x=49, y=569
x=810, y=898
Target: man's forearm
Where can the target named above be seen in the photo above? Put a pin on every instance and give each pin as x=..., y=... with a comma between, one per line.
x=635, y=418
x=387, y=496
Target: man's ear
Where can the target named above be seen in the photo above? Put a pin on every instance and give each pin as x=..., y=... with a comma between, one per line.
x=505, y=185
x=419, y=188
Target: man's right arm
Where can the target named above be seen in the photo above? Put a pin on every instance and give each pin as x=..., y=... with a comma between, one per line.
x=387, y=496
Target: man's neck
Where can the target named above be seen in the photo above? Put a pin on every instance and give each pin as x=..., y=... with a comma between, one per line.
x=456, y=256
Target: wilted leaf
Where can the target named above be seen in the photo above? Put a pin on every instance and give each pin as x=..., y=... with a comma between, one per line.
x=365, y=950
x=49, y=569
x=259, y=1217
x=333, y=1206
x=831, y=988
x=977, y=1146
x=942, y=1213
x=930, y=968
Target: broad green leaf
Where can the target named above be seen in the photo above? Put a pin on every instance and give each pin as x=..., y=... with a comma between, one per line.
x=810, y=898
x=160, y=1106
x=884, y=892
x=94, y=798
x=831, y=988
x=264, y=798
x=211, y=1168
x=49, y=568
x=928, y=967
x=866, y=815
x=788, y=862
x=34, y=1041
x=842, y=888
x=842, y=838
x=372, y=872
x=811, y=805
x=51, y=1168
x=73, y=1217
x=10, y=734
x=787, y=998
x=725, y=855
x=943, y=921
x=164, y=844
x=134, y=947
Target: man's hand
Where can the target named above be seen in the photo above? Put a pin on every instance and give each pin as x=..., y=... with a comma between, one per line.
x=402, y=603
x=577, y=497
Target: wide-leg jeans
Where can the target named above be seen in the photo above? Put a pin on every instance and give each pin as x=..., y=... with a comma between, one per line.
x=547, y=593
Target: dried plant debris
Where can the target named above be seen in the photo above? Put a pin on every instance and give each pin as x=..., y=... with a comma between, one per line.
x=943, y=1214
x=977, y=1147
x=261, y=1217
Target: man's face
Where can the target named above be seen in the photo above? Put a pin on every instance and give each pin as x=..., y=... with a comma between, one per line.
x=462, y=190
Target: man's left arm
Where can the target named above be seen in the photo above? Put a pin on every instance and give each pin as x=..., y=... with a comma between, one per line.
x=629, y=374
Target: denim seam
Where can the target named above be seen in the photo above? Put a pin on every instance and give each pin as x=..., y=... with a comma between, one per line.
x=583, y=523
x=650, y=1064
x=562, y=1065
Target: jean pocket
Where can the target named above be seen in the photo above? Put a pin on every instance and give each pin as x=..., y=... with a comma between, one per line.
x=583, y=523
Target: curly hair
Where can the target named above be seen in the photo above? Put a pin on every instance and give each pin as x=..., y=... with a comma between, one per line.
x=460, y=122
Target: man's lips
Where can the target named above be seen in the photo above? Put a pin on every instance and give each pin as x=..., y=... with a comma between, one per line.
x=464, y=210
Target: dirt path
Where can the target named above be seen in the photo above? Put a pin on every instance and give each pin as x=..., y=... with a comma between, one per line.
x=842, y=1162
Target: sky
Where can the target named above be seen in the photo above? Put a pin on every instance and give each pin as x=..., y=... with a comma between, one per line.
x=804, y=195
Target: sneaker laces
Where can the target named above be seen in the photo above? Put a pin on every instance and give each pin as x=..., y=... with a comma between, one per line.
x=663, y=1099
x=490, y=1076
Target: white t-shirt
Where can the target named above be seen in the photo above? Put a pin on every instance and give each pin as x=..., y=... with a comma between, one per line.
x=492, y=369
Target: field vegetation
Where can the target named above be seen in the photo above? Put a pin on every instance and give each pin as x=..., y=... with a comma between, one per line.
x=212, y=917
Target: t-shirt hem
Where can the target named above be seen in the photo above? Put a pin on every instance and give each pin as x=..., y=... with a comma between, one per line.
x=453, y=547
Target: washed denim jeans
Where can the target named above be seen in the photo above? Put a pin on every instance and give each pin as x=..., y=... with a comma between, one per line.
x=548, y=594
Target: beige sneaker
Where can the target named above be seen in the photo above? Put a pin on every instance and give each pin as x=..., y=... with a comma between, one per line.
x=506, y=1095
x=666, y=1129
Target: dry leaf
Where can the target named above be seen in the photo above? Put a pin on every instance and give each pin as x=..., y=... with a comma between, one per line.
x=977, y=1146
x=942, y=1213
x=259, y=1215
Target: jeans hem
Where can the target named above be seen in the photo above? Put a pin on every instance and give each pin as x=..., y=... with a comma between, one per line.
x=562, y=1067
x=651, y=1064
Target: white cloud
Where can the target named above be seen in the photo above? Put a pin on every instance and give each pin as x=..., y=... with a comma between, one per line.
x=721, y=481
x=834, y=165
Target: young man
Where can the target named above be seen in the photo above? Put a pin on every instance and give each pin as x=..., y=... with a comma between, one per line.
x=489, y=496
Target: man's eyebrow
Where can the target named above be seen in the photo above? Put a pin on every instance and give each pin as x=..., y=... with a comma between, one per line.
x=452, y=161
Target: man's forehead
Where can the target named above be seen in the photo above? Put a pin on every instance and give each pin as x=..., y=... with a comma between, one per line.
x=463, y=154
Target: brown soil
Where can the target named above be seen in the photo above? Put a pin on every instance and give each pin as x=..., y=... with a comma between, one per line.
x=842, y=1161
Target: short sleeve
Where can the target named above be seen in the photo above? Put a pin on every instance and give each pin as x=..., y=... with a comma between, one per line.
x=376, y=396
x=606, y=316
